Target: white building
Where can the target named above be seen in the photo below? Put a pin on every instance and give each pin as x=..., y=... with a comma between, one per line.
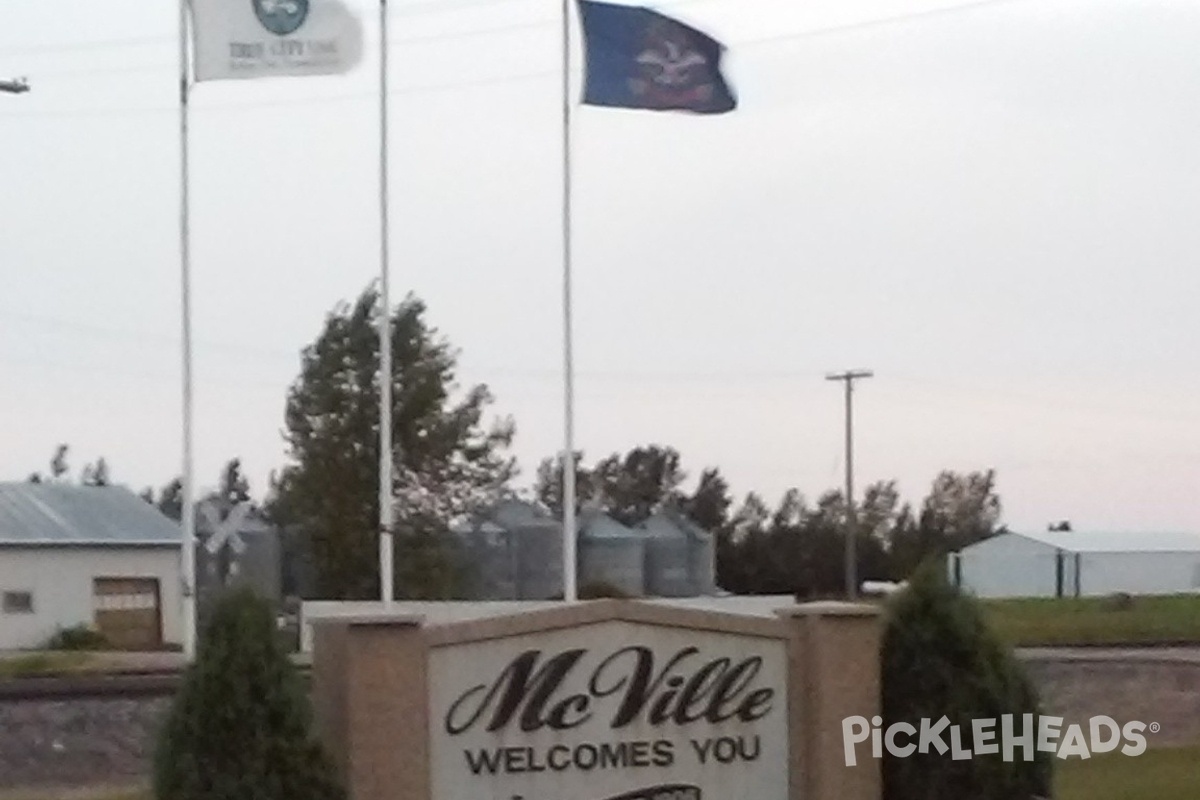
x=85, y=555
x=1078, y=564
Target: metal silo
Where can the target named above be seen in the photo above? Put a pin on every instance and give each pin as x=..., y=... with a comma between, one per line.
x=702, y=557
x=668, y=572
x=538, y=559
x=612, y=554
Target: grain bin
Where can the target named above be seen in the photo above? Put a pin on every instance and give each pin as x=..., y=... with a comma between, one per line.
x=667, y=558
x=610, y=553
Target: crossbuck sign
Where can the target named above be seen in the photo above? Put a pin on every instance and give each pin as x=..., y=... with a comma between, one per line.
x=226, y=530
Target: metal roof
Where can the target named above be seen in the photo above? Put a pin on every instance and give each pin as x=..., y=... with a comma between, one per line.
x=1117, y=541
x=61, y=514
x=672, y=525
x=598, y=525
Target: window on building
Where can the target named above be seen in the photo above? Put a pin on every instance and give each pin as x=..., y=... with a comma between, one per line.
x=18, y=602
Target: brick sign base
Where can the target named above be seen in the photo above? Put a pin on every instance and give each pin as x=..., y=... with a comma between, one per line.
x=607, y=700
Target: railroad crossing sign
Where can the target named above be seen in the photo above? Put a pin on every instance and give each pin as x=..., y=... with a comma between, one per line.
x=227, y=530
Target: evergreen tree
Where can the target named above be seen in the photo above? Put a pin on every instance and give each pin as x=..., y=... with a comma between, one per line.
x=708, y=506
x=940, y=659
x=239, y=728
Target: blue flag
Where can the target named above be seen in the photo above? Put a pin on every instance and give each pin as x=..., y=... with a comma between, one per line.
x=639, y=58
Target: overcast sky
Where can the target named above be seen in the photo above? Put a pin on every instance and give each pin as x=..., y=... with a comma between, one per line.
x=993, y=207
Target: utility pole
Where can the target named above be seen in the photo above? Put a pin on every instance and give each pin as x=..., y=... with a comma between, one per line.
x=848, y=378
x=16, y=86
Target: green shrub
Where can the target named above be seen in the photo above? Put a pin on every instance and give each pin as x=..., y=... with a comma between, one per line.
x=240, y=727
x=940, y=659
x=78, y=637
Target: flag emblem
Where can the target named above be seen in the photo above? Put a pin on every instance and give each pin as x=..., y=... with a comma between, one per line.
x=672, y=71
x=281, y=17
x=639, y=58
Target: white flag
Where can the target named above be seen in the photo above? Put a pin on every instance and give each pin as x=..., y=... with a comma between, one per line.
x=236, y=39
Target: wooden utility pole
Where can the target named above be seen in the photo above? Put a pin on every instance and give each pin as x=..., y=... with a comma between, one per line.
x=848, y=379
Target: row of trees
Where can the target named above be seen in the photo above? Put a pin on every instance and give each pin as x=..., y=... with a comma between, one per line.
x=93, y=473
x=452, y=455
x=793, y=547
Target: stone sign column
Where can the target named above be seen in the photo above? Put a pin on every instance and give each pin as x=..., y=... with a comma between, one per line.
x=833, y=655
x=370, y=700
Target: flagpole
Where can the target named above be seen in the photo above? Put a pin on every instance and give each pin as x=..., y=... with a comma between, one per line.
x=188, y=543
x=386, y=510
x=570, y=588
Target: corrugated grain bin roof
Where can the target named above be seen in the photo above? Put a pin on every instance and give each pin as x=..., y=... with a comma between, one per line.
x=59, y=514
x=598, y=525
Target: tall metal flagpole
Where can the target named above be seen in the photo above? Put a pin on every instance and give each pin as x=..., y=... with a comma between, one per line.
x=386, y=509
x=570, y=589
x=188, y=544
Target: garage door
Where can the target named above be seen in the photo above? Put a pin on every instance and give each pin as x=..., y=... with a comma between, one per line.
x=128, y=612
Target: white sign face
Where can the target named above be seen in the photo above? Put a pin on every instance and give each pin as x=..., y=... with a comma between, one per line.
x=610, y=711
x=234, y=39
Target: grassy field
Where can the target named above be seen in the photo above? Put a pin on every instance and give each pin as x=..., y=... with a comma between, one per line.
x=1171, y=619
x=1166, y=774
x=1096, y=621
x=31, y=664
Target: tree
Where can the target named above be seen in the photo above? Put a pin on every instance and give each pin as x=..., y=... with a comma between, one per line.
x=58, y=464
x=634, y=487
x=170, y=500
x=234, y=487
x=963, y=508
x=940, y=659
x=240, y=726
x=447, y=461
x=800, y=550
x=548, y=486
x=629, y=488
x=739, y=545
x=879, y=509
x=960, y=509
x=95, y=474
x=708, y=505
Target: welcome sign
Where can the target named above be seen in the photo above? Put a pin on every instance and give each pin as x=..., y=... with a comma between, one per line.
x=613, y=710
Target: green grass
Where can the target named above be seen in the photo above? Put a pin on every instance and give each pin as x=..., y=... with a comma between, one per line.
x=1095, y=620
x=1160, y=774
x=33, y=664
x=1163, y=774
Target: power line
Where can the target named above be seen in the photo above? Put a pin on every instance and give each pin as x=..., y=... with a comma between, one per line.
x=141, y=41
x=499, y=80
x=300, y=101
x=410, y=9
